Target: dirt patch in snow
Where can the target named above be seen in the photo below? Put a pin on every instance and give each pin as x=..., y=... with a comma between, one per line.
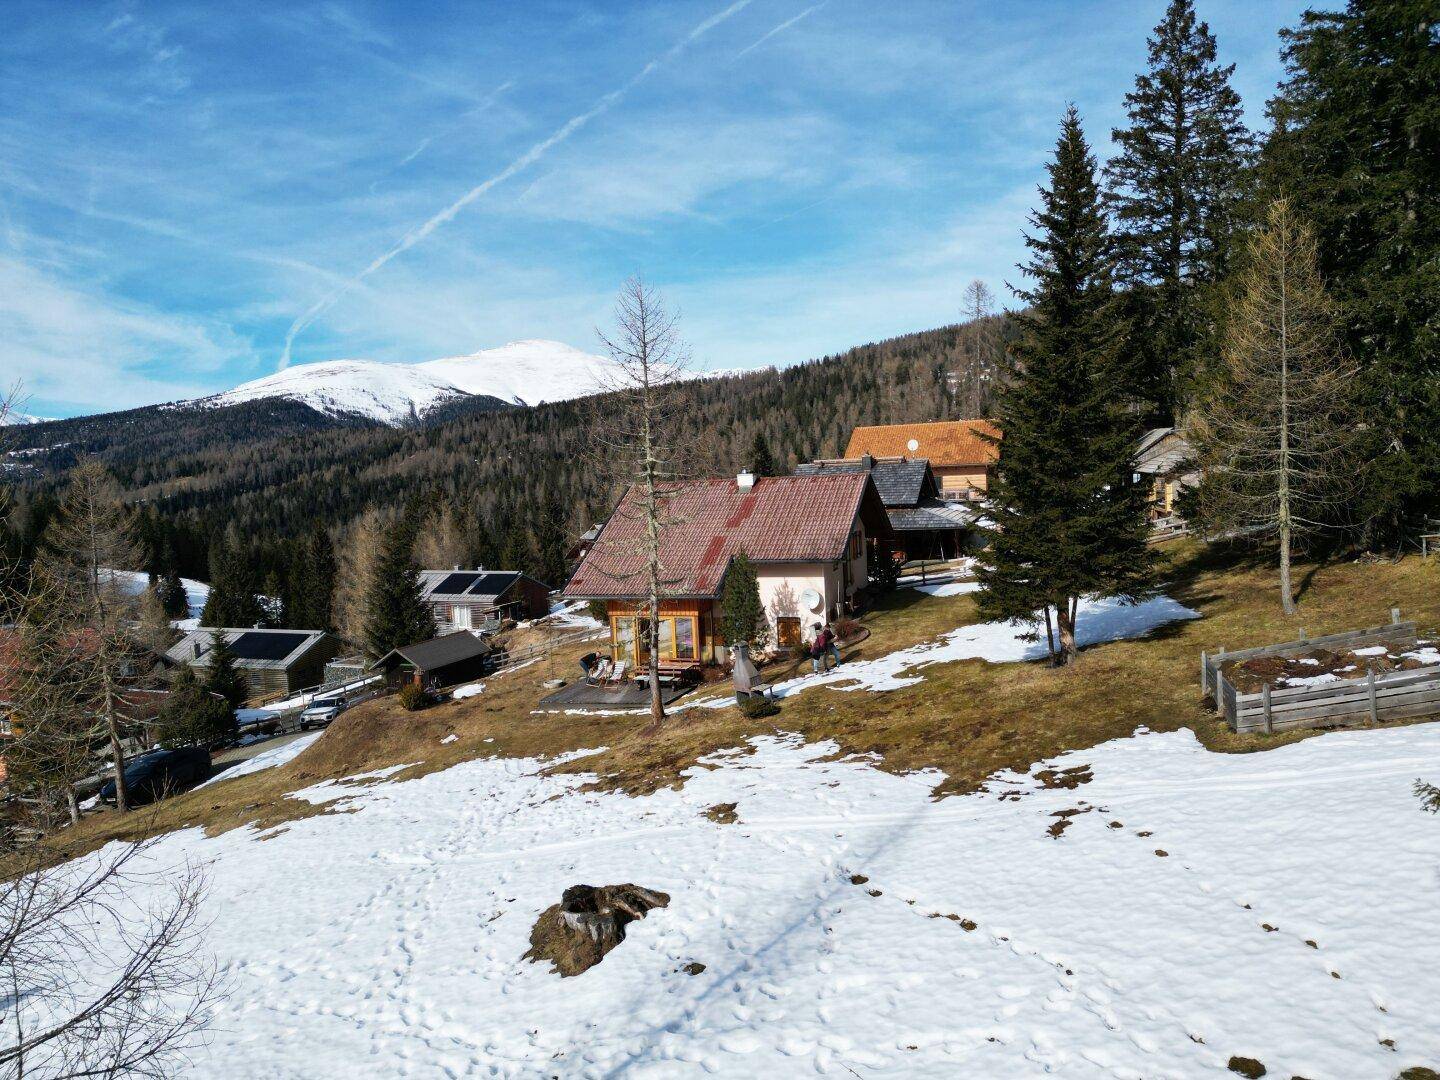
x=1246, y=1067
x=577, y=933
x=1066, y=779
x=722, y=813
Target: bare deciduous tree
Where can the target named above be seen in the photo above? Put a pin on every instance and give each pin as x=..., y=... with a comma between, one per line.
x=1274, y=428
x=102, y=967
x=639, y=447
x=91, y=537
x=358, y=554
x=441, y=542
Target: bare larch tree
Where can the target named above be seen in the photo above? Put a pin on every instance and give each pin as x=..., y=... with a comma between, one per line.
x=103, y=970
x=1274, y=429
x=637, y=446
x=90, y=538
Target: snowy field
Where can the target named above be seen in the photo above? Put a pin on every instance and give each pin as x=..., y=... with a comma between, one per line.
x=197, y=593
x=1279, y=906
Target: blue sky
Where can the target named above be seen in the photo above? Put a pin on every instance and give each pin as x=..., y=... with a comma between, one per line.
x=184, y=187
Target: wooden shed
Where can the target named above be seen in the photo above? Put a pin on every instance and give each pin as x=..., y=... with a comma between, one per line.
x=440, y=662
x=272, y=661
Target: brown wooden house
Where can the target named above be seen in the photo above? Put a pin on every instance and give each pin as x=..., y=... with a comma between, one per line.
x=959, y=451
x=808, y=536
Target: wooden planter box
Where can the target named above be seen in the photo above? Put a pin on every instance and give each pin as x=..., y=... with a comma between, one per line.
x=1393, y=695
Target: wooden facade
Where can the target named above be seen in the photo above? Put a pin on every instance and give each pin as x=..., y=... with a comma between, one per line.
x=687, y=631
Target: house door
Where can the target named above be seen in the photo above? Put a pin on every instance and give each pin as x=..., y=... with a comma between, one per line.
x=462, y=617
x=787, y=631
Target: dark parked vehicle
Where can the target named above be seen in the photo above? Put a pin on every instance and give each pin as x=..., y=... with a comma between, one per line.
x=160, y=773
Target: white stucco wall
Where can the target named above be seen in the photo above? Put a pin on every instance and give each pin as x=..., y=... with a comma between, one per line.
x=782, y=586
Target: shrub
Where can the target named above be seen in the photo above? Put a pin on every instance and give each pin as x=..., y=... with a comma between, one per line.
x=846, y=629
x=885, y=569
x=757, y=706
x=413, y=698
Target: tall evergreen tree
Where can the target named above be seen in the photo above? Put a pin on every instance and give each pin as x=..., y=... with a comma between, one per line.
x=1069, y=521
x=762, y=461
x=222, y=677
x=233, y=588
x=1175, y=188
x=396, y=612
x=1356, y=145
x=311, y=583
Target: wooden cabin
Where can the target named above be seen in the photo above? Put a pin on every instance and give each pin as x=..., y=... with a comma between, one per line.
x=470, y=599
x=1164, y=461
x=960, y=452
x=808, y=536
x=441, y=662
x=272, y=661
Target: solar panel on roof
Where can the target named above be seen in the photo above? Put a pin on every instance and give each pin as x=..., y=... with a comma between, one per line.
x=491, y=584
x=457, y=583
x=253, y=645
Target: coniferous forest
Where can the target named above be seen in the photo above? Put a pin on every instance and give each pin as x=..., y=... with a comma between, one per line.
x=254, y=494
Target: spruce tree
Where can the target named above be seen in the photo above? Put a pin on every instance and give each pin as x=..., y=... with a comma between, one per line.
x=171, y=591
x=311, y=584
x=396, y=610
x=1175, y=187
x=1356, y=146
x=233, y=588
x=221, y=676
x=1069, y=521
x=762, y=462
x=193, y=716
x=742, y=619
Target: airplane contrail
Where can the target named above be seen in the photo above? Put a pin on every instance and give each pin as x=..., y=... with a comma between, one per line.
x=778, y=30
x=574, y=124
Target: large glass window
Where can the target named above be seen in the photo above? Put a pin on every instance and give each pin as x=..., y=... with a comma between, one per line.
x=684, y=634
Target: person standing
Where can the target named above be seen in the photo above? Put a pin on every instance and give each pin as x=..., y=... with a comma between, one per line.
x=832, y=643
x=817, y=649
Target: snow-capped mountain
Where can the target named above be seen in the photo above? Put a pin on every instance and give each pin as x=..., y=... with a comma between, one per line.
x=17, y=418
x=521, y=373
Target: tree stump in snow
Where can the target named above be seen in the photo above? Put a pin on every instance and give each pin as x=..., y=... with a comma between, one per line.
x=575, y=934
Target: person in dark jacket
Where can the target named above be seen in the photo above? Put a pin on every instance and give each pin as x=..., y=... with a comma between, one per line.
x=832, y=643
x=820, y=648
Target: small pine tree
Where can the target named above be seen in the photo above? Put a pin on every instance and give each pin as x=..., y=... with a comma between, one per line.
x=193, y=716
x=396, y=610
x=233, y=588
x=742, y=618
x=762, y=462
x=1069, y=520
x=221, y=677
x=171, y=591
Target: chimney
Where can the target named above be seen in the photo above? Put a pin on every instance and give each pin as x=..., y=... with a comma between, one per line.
x=867, y=462
x=745, y=480
x=455, y=567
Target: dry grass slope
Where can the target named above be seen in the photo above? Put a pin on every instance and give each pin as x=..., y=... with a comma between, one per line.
x=967, y=719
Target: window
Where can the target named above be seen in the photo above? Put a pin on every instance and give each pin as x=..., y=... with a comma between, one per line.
x=857, y=544
x=787, y=631
x=684, y=638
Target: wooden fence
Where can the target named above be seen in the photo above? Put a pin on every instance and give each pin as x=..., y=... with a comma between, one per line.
x=1390, y=696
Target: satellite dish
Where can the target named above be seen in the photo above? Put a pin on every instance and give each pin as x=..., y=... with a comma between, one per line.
x=812, y=599
x=913, y=444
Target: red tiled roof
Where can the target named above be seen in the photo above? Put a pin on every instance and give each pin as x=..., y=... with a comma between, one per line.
x=707, y=523
x=944, y=442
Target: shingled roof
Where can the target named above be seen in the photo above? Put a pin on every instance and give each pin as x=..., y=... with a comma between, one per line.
x=901, y=482
x=709, y=522
x=943, y=442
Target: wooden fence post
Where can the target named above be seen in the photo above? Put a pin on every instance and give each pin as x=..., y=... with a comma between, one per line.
x=1265, y=699
x=1302, y=634
x=1370, y=686
x=1204, y=674
x=1394, y=615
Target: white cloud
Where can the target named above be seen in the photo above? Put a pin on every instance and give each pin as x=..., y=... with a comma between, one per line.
x=79, y=350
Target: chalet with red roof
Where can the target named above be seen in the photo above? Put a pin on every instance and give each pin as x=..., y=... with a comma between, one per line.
x=808, y=536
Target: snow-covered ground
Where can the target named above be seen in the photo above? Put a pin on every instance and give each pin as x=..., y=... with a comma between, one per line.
x=267, y=759
x=1278, y=906
x=197, y=593
x=999, y=642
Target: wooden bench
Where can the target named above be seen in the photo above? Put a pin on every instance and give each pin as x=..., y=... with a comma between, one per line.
x=671, y=671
